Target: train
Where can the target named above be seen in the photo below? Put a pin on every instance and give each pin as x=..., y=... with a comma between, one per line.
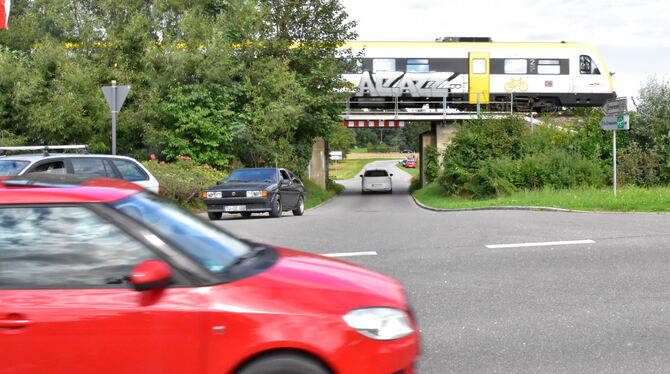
x=465, y=72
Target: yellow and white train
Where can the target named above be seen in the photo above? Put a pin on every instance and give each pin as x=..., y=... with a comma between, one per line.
x=536, y=76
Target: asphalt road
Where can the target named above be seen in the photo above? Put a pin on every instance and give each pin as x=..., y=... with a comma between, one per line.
x=598, y=307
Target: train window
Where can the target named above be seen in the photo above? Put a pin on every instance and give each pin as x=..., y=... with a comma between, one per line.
x=516, y=66
x=587, y=66
x=383, y=64
x=418, y=66
x=548, y=67
x=478, y=66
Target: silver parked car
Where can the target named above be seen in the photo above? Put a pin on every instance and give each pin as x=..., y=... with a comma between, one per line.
x=376, y=180
x=101, y=165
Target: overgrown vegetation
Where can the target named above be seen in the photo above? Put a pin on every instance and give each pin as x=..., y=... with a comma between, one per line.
x=497, y=158
x=225, y=82
x=183, y=180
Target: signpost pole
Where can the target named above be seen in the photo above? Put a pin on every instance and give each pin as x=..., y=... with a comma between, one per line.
x=614, y=161
x=114, y=111
x=115, y=96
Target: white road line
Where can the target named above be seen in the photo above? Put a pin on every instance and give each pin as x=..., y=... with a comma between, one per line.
x=540, y=244
x=347, y=254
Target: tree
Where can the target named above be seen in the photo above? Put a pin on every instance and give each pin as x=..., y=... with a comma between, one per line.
x=342, y=139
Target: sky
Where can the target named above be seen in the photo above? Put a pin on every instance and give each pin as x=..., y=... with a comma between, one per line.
x=632, y=36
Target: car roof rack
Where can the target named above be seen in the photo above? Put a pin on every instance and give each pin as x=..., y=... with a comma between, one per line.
x=44, y=148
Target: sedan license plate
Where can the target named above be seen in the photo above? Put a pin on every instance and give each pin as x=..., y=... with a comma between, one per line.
x=235, y=208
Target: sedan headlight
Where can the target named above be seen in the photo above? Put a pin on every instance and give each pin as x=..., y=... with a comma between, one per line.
x=257, y=193
x=212, y=194
x=380, y=323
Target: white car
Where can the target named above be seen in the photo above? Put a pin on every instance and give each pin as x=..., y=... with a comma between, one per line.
x=110, y=166
x=376, y=180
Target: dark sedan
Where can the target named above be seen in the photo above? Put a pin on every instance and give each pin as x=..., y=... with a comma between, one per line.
x=260, y=190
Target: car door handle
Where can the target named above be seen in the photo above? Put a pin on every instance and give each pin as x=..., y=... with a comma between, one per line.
x=14, y=321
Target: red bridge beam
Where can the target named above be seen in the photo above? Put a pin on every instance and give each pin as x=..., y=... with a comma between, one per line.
x=376, y=123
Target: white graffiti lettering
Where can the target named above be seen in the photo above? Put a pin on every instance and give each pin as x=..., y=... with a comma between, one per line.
x=407, y=84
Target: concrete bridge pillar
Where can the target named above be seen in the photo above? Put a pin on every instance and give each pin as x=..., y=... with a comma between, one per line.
x=317, y=170
x=439, y=137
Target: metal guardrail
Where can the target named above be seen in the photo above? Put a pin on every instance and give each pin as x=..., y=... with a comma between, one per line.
x=403, y=107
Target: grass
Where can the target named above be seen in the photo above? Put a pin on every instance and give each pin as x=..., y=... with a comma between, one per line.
x=629, y=199
x=359, y=150
x=347, y=169
x=317, y=195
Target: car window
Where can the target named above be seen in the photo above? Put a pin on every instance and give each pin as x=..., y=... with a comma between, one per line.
x=91, y=166
x=130, y=171
x=284, y=174
x=376, y=173
x=255, y=175
x=64, y=247
x=213, y=248
x=56, y=167
x=11, y=167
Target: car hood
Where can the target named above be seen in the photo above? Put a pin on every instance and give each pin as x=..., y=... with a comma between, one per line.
x=241, y=186
x=301, y=282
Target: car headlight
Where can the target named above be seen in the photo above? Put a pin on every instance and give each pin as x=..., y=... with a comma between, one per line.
x=379, y=323
x=212, y=194
x=257, y=193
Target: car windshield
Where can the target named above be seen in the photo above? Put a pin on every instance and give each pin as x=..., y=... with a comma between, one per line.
x=376, y=173
x=249, y=175
x=210, y=246
x=10, y=168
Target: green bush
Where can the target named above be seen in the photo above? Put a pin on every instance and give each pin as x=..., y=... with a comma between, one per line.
x=556, y=169
x=183, y=180
x=545, y=138
x=432, y=163
x=638, y=167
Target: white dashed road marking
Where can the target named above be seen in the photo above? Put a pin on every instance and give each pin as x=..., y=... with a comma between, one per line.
x=348, y=254
x=540, y=244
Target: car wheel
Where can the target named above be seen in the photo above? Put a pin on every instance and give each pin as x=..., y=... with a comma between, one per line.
x=300, y=208
x=283, y=364
x=276, y=209
x=214, y=216
x=246, y=214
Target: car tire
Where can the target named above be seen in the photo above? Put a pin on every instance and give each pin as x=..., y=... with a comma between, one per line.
x=276, y=209
x=300, y=207
x=246, y=214
x=214, y=216
x=284, y=364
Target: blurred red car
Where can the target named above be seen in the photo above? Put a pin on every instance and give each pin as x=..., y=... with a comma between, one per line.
x=410, y=163
x=99, y=276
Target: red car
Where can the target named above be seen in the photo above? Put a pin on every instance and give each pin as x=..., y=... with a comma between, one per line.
x=410, y=163
x=99, y=276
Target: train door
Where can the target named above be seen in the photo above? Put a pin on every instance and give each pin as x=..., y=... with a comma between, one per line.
x=589, y=78
x=479, y=78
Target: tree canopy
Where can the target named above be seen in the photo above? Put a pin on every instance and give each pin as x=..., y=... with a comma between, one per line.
x=221, y=81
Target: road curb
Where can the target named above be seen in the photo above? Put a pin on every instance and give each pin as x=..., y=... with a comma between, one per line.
x=527, y=208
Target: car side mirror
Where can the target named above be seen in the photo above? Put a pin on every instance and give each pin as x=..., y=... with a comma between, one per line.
x=360, y=175
x=151, y=274
x=391, y=174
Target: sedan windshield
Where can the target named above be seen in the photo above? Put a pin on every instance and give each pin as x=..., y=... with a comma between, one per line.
x=255, y=175
x=10, y=168
x=210, y=246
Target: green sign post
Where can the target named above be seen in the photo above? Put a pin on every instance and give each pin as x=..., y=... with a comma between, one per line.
x=616, y=118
